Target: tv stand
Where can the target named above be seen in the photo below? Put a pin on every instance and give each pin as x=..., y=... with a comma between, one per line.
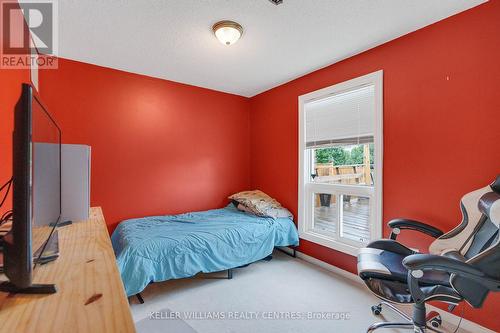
x=33, y=289
x=90, y=296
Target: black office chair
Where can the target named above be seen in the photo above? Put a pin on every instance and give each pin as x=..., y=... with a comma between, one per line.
x=463, y=264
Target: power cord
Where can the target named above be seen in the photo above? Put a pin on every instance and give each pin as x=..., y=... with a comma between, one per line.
x=460, y=321
x=7, y=216
x=8, y=185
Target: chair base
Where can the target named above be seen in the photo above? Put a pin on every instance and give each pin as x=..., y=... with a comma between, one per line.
x=433, y=318
x=376, y=326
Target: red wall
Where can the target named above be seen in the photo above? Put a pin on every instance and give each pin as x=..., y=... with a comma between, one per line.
x=10, y=91
x=441, y=134
x=158, y=147
x=161, y=147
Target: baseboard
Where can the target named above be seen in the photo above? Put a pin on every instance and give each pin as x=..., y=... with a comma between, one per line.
x=447, y=317
x=329, y=267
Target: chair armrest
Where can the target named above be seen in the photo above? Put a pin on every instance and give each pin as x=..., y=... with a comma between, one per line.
x=477, y=280
x=429, y=261
x=401, y=224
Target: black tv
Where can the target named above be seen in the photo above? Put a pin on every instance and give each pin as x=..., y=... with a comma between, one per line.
x=36, y=197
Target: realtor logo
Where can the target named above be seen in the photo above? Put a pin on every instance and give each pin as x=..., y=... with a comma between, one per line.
x=29, y=34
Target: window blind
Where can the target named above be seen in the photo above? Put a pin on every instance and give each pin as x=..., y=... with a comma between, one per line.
x=347, y=118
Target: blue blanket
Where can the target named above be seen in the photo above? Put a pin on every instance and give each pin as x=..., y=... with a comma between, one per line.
x=160, y=248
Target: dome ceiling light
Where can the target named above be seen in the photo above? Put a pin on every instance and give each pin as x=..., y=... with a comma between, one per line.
x=227, y=32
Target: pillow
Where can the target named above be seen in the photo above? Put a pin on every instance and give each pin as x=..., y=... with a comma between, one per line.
x=260, y=204
x=244, y=208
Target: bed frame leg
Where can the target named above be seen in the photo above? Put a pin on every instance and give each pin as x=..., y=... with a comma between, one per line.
x=293, y=254
x=139, y=297
x=229, y=274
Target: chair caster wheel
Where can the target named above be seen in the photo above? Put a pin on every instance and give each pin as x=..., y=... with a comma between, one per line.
x=436, y=322
x=376, y=310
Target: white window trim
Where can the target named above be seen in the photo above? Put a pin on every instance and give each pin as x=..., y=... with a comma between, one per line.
x=375, y=78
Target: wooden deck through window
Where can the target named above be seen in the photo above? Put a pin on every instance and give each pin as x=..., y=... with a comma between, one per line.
x=355, y=219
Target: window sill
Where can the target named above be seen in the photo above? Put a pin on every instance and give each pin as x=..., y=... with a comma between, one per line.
x=329, y=242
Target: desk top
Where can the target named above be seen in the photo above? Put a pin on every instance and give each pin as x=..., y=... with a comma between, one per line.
x=90, y=296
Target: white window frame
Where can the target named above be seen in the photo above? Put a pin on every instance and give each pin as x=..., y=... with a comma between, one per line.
x=306, y=189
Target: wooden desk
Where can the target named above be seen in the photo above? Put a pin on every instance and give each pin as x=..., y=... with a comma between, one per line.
x=90, y=296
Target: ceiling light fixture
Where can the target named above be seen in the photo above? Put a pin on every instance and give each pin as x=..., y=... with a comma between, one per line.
x=227, y=32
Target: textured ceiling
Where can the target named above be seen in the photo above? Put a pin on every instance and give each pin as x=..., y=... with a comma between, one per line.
x=173, y=39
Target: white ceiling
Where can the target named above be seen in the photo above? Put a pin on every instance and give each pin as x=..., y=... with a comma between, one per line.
x=173, y=39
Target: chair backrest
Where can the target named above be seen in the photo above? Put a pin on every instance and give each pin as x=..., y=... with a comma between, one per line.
x=484, y=252
x=476, y=241
x=479, y=229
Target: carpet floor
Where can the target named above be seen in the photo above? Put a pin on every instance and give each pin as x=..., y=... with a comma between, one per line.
x=283, y=295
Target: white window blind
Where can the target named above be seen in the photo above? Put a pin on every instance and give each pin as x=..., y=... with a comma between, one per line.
x=347, y=118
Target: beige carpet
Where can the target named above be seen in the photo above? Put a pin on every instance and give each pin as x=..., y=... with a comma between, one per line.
x=283, y=295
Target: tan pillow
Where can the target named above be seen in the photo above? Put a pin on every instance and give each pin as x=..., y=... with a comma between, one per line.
x=260, y=204
x=244, y=208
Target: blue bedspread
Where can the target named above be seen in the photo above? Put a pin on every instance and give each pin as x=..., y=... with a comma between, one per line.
x=160, y=248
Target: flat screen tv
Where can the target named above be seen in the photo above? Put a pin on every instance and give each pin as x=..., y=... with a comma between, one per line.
x=36, y=197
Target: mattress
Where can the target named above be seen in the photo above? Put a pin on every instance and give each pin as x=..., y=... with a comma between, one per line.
x=160, y=248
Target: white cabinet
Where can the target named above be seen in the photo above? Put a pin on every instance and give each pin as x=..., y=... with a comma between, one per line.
x=75, y=182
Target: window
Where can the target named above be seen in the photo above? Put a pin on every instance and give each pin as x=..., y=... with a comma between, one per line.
x=340, y=164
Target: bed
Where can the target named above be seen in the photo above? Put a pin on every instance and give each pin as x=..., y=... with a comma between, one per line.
x=160, y=248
